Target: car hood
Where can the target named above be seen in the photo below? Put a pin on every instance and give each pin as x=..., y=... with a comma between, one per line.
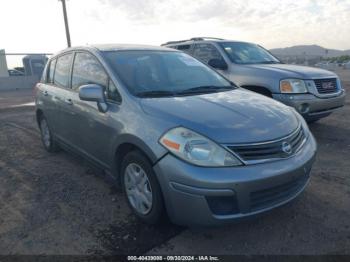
x=296, y=71
x=237, y=116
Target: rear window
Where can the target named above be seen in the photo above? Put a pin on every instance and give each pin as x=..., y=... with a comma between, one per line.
x=62, y=71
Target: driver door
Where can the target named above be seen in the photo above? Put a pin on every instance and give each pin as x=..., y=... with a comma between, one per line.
x=92, y=129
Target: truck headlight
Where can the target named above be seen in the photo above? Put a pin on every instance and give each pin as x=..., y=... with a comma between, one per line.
x=293, y=86
x=197, y=149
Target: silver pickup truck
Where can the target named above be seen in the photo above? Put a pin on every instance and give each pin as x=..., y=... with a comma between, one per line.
x=313, y=92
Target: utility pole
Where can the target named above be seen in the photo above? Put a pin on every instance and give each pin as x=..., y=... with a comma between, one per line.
x=66, y=21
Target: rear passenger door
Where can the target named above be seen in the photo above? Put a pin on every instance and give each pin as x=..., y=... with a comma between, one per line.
x=48, y=97
x=62, y=85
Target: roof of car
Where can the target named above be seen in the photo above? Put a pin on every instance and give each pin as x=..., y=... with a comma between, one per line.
x=199, y=39
x=115, y=47
x=118, y=47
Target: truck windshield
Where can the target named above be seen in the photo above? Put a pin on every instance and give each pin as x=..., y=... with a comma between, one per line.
x=164, y=73
x=247, y=53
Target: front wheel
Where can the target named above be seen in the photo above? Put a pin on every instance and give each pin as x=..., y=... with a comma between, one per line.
x=141, y=188
x=46, y=136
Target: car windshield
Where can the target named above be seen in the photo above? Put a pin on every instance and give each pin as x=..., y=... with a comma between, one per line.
x=247, y=53
x=164, y=73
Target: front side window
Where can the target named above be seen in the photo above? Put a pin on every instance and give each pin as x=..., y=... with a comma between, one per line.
x=206, y=52
x=62, y=71
x=88, y=70
x=157, y=73
x=247, y=53
x=112, y=92
x=51, y=71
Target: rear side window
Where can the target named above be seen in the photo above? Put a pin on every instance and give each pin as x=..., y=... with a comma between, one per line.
x=51, y=72
x=62, y=71
x=88, y=70
x=205, y=52
x=184, y=48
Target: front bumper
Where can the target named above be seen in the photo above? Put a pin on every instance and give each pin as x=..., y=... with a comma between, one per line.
x=310, y=106
x=212, y=196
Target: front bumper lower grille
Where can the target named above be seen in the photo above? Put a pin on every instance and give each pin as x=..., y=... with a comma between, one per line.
x=268, y=197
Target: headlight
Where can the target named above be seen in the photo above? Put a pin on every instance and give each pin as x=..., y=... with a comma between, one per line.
x=293, y=86
x=302, y=122
x=197, y=149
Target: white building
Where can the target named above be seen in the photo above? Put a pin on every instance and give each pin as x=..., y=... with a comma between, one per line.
x=3, y=64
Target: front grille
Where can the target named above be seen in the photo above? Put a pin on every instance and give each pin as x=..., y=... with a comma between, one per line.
x=271, y=150
x=326, y=86
x=268, y=197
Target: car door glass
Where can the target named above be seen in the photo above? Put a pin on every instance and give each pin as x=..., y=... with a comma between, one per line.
x=112, y=92
x=88, y=70
x=51, y=71
x=62, y=71
x=205, y=52
x=184, y=48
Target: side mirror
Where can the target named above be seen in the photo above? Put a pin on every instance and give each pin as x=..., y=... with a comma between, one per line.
x=94, y=93
x=218, y=64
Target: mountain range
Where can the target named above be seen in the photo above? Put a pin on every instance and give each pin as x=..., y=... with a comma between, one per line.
x=309, y=50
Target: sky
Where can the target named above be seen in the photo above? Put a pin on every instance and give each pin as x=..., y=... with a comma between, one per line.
x=38, y=26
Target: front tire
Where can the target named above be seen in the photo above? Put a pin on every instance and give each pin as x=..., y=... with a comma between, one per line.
x=141, y=188
x=48, y=141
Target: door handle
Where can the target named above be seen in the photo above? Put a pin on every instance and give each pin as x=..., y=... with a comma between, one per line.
x=69, y=101
x=45, y=93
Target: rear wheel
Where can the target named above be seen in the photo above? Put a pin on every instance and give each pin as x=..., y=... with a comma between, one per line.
x=46, y=136
x=141, y=188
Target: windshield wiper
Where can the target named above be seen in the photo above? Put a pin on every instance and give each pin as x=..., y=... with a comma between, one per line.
x=205, y=89
x=269, y=62
x=193, y=90
x=155, y=93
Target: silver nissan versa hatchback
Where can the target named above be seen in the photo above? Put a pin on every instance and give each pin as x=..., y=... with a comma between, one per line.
x=178, y=137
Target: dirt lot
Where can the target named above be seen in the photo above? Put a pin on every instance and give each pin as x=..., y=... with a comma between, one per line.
x=57, y=204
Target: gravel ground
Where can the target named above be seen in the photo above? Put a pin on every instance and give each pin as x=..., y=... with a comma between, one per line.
x=58, y=204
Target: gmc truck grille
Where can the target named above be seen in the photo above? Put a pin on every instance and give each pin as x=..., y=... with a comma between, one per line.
x=326, y=86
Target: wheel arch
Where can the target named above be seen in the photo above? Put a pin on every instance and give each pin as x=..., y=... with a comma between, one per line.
x=126, y=144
